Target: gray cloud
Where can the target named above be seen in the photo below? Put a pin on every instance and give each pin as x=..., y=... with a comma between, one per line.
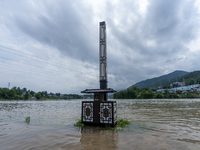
x=171, y=25
x=64, y=25
x=140, y=45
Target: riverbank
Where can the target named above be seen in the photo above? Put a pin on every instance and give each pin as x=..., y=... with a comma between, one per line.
x=24, y=94
x=146, y=93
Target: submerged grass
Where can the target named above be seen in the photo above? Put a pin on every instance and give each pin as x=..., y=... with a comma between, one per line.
x=27, y=120
x=79, y=124
x=122, y=123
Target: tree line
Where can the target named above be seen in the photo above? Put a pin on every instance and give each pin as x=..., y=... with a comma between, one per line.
x=16, y=93
x=146, y=93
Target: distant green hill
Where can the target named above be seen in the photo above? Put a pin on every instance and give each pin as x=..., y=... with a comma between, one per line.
x=161, y=81
x=190, y=78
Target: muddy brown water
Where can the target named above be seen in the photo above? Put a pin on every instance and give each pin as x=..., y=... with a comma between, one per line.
x=155, y=124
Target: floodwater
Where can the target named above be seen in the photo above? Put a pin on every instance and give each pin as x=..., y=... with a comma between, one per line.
x=155, y=125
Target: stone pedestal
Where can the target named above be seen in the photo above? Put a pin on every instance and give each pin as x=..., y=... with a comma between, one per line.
x=99, y=112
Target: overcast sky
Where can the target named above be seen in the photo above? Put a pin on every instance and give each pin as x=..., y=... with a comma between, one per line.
x=54, y=45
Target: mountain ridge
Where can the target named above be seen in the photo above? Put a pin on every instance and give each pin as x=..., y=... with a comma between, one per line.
x=160, y=81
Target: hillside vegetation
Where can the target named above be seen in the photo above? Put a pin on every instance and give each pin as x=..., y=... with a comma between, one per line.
x=190, y=78
x=160, y=81
x=148, y=93
x=165, y=80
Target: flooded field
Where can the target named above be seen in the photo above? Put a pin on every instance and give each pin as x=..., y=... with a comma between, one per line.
x=155, y=124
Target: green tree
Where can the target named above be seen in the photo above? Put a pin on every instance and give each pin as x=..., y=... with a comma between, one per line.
x=133, y=94
x=0, y=94
x=14, y=88
x=19, y=91
x=32, y=93
x=154, y=90
x=128, y=94
x=24, y=89
x=175, y=96
x=17, y=97
x=115, y=95
x=198, y=80
x=58, y=94
x=4, y=93
x=175, y=85
x=191, y=82
x=146, y=89
x=27, y=95
x=159, y=95
x=137, y=89
x=148, y=94
x=139, y=95
x=178, y=92
x=38, y=95
x=11, y=94
x=45, y=93
x=166, y=92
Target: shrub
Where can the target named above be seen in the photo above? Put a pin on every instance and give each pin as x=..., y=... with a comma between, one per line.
x=122, y=123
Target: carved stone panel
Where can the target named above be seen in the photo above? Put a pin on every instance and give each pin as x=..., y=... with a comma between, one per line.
x=99, y=112
x=106, y=113
x=87, y=112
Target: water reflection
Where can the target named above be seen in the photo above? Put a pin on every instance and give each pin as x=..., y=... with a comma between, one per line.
x=92, y=138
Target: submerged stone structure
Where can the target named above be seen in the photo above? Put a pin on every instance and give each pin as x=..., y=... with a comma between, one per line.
x=100, y=111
